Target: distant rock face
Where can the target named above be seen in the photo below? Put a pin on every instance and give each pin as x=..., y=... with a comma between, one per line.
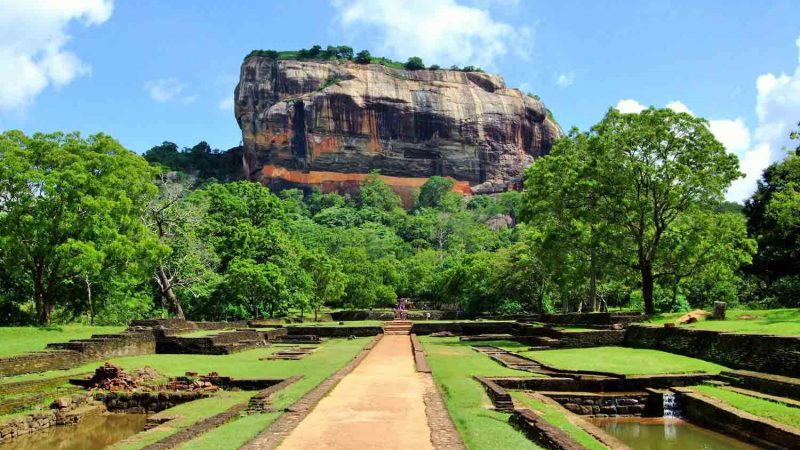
x=328, y=124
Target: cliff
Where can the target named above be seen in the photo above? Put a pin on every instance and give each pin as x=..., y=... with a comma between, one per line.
x=329, y=123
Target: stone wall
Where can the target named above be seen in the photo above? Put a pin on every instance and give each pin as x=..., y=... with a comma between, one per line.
x=587, y=319
x=718, y=416
x=145, y=402
x=389, y=315
x=760, y=353
x=67, y=355
x=63, y=411
x=599, y=404
x=541, y=432
x=464, y=328
x=334, y=331
x=39, y=362
x=631, y=383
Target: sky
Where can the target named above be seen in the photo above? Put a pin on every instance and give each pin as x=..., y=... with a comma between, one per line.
x=148, y=71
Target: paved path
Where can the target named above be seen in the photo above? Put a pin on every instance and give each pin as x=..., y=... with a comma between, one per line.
x=377, y=406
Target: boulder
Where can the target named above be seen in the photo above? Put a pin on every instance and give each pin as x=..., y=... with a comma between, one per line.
x=327, y=124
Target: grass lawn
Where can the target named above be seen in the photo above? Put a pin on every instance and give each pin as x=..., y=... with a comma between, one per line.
x=767, y=321
x=622, y=360
x=330, y=357
x=17, y=340
x=453, y=364
x=756, y=406
x=556, y=417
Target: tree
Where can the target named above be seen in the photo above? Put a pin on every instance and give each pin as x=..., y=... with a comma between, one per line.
x=655, y=167
x=176, y=218
x=414, y=63
x=772, y=219
x=561, y=201
x=376, y=194
x=434, y=194
x=363, y=57
x=70, y=209
x=314, y=51
x=328, y=279
x=344, y=52
x=257, y=288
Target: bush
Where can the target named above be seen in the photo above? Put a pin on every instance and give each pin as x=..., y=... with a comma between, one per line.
x=315, y=51
x=434, y=67
x=363, y=57
x=414, y=63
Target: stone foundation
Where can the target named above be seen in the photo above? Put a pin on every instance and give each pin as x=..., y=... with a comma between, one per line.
x=463, y=328
x=63, y=411
x=145, y=402
x=593, y=403
x=716, y=415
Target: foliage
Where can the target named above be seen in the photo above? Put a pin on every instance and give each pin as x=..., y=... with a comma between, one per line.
x=647, y=183
x=773, y=219
x=200, y=160
x=70, y=218
x=414, y=63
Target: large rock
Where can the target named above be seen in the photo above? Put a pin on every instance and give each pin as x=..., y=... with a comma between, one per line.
x=329, y=123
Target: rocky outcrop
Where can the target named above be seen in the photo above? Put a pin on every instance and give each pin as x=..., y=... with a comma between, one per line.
x=329, y=123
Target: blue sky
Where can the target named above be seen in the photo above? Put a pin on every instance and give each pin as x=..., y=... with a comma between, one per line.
x=146, y=71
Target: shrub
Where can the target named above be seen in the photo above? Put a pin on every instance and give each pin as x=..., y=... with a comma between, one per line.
x=363, y=57
x=315, y=51
x=414, y=63
x=434, y=67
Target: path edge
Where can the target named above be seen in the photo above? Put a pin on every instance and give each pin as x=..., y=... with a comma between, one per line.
x=444, y=435
x=275, y=433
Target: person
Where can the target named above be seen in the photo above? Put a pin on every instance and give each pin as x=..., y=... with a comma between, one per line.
x=427, y=315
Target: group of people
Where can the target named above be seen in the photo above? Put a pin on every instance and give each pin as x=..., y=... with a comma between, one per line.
x=401, y=311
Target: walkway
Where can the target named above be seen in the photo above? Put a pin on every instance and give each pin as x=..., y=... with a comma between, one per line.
x=377, y=406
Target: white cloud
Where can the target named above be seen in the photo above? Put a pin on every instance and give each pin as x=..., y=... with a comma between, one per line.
x=630, y=106
x=168, y=89
x=32, y=40
x=679, y=107
x=226, y=103
x=566, y=79
x=439, y=31
x=777, y=110
x=733, y=134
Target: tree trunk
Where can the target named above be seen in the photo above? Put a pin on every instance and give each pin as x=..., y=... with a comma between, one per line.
x=647, y=288
x=89, y=297
x=592, y=281
x=173, y=304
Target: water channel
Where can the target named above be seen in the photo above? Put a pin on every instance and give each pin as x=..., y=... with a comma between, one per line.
x=667, y=433
x=91, y=433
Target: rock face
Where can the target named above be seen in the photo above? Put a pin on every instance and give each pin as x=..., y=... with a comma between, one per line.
x=329, y=123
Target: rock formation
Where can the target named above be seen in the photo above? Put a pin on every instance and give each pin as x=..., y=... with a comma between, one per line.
x=329, y=123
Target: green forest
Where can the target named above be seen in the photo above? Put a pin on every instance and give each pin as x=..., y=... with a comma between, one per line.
x=630, y=214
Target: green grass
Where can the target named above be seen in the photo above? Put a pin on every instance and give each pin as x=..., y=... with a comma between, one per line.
x=555, y=416
x=189, y=413
x=768, y=321
x=756, y=406
x=622, y=360
x=453, y=364
x=17, y=340
x=331, y=356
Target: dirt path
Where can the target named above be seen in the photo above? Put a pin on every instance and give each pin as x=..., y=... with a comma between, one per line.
x=377, y=406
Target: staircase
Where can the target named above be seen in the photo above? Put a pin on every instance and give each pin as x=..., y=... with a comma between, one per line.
x=402, y=327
